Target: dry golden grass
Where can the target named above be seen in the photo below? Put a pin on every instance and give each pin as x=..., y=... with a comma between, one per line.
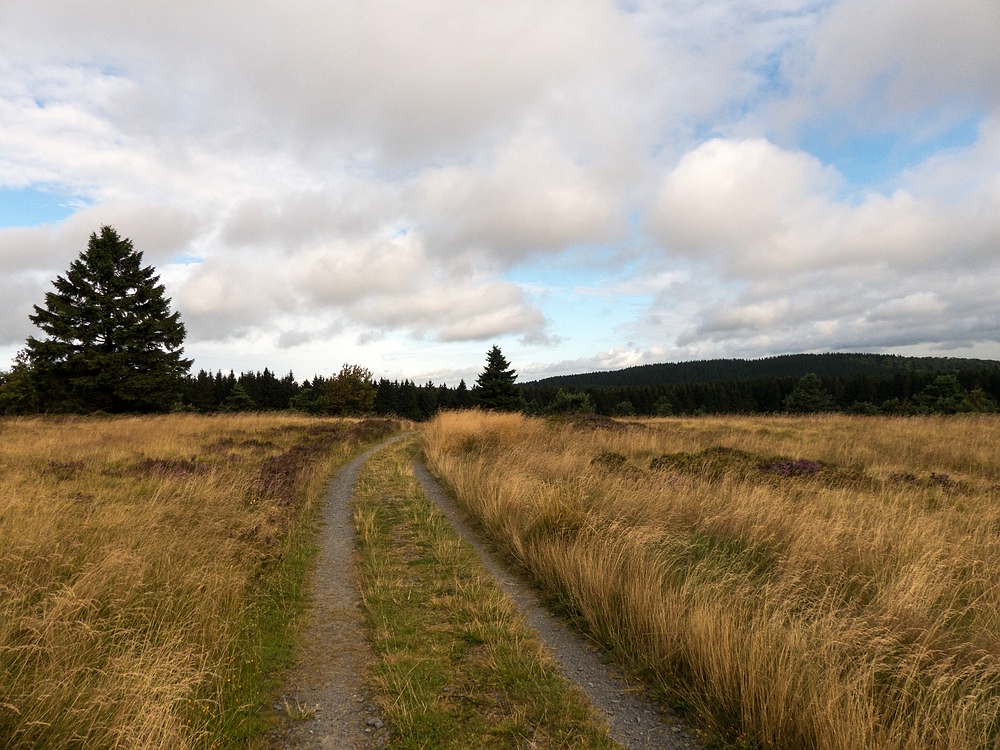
x=854, y=609
x=129, y=552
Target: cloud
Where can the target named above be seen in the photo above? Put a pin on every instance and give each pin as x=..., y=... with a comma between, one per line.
x=616, y=358
x=896, y=58
x=806, y=267
x=397, y=78
x=382, y=285
x=373, y=172
x=532, y=198
x=753, y=209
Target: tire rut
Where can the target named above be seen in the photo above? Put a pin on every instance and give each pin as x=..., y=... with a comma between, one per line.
x=326, y=703
x=636, y=722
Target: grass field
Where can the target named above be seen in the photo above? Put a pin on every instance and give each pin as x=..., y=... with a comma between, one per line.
x=827, y=582
x=150, y=570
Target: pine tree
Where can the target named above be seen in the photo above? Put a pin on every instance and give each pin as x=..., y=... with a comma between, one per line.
x=112, y=343
x=238, y=400
x=463, y=398
x=808, y=396
x=495, y=387
x=944, y=396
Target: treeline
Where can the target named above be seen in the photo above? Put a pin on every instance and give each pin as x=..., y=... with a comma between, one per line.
x=352, y=391
x=908, y=392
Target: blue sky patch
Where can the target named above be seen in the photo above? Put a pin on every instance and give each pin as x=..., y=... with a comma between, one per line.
x=874, y=160
x=30, y=207
x=186, y=260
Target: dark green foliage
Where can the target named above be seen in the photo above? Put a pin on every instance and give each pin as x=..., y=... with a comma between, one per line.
x=944, y=396
x=206, y=392
x=350, y=392
x=495, y=389
x=567, y=402
x=663, y=407
x=463, y=397
x=979, y=401
x=111, y=342
x=808, y=396
x=238, y=400
x=771, y=368
x=18, y=394
x=623, y=409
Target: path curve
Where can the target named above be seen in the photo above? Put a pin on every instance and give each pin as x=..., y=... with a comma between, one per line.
x=326, y=703
x=635, y=721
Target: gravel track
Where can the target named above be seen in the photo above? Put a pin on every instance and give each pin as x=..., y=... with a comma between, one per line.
x=326, y=704
x=636, y=722
x=326, y=685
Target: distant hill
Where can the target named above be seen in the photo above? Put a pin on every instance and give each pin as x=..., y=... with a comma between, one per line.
x=786, y=366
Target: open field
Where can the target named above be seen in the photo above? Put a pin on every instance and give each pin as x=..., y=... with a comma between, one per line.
x=149, y=570
x=826, y=582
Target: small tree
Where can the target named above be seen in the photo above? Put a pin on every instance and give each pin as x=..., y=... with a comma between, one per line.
x=570, y=402
x=623, y=409
x=238, y=400
x=808, y=396
x=944, y=396
x=463, y=397
x=663, y=407
x=18, y=394
x=495, y=387
x=350, y=393
x=112, y=342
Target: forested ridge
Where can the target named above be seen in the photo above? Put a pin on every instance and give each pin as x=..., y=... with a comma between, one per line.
x=830, y=365
x=853, y=383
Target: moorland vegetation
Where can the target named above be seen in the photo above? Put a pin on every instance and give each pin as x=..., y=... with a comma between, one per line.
x=151, y=573
x=817, y=582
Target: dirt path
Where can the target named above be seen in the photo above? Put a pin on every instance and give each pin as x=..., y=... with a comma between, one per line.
x=636, y=722
x=325, y=703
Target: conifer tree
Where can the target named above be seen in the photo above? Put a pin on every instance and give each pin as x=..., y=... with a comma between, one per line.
x=238, y=400
x=495, y=387
x=808, y=396
x=463, y=398
x=112, y=342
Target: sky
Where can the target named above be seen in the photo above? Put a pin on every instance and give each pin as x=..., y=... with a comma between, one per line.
x=588, y=184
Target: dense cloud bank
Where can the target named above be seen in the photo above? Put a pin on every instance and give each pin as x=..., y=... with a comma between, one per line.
x=366, y=177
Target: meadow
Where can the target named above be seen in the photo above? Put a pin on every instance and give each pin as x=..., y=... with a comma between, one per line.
x=151, y=572
x=823, y=582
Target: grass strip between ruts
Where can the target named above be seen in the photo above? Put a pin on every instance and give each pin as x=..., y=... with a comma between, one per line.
x=456, y=665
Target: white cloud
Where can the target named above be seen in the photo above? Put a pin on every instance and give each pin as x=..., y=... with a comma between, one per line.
x=809, y=268
x=374, y=172
x=531, y=199
x=755, y=210
x=884, y=60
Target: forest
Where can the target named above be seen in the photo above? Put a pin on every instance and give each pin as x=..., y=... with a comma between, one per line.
x=912, y=389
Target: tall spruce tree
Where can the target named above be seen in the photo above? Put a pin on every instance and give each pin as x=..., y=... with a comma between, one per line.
x=495, y=389
x=111, y=343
